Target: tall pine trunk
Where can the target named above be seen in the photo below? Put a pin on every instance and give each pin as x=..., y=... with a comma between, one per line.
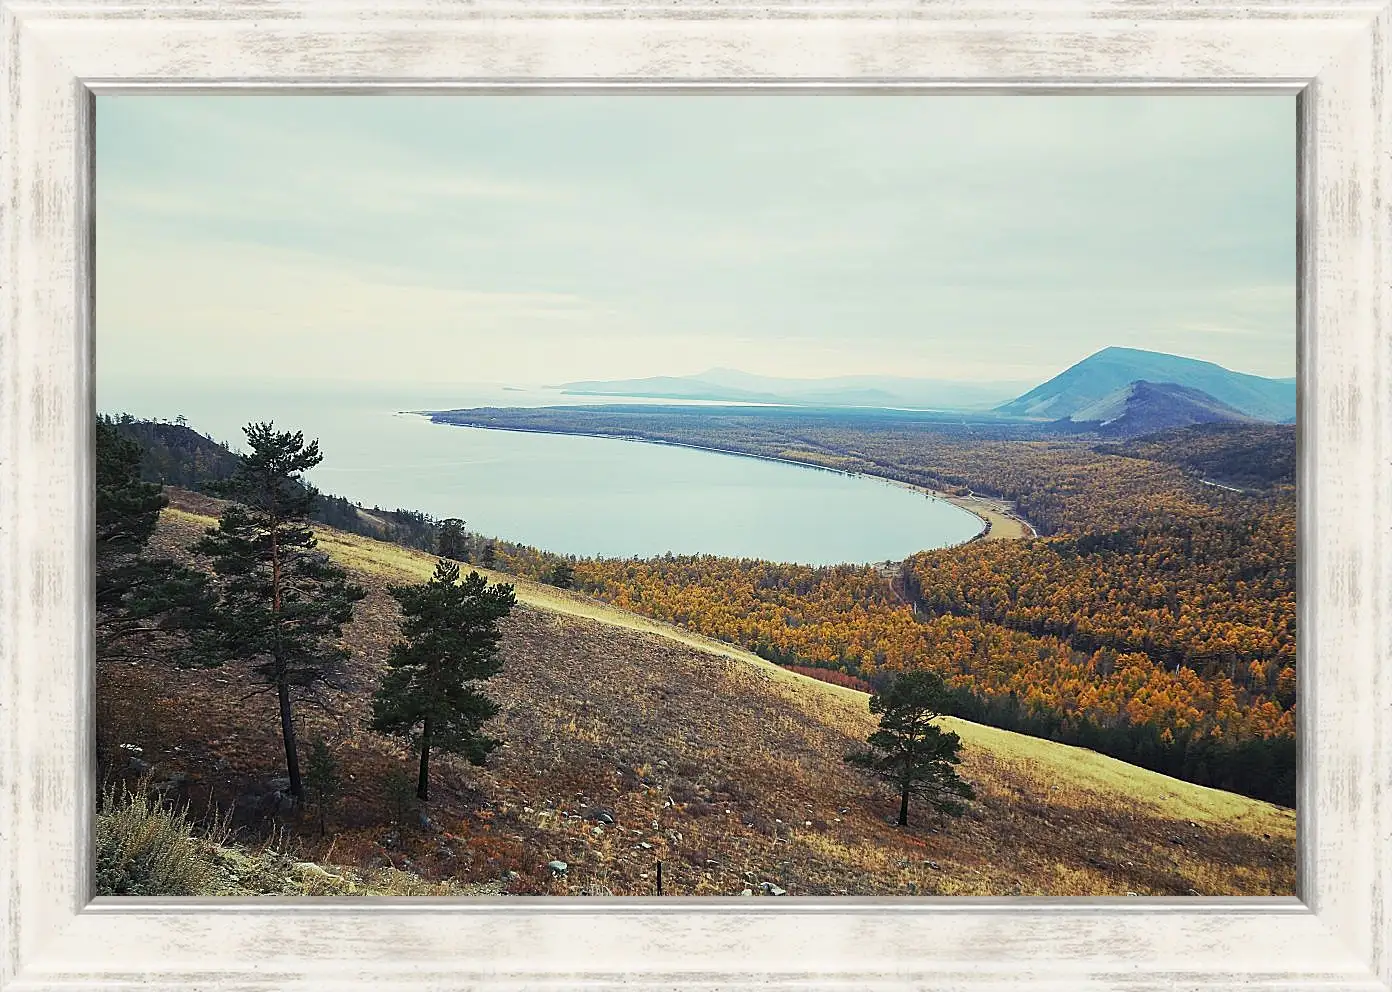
x=423, y=785
x=287, y=717
x=904, y=806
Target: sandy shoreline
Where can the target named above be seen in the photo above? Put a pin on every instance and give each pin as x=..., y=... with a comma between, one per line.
x=999, y=521
x=1005, y=524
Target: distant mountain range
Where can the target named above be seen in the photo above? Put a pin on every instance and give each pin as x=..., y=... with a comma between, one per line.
x=1101, y=375
x=733, y=386
x=1122, y=386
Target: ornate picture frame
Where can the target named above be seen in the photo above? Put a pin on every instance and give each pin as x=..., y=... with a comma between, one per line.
x=58, y=54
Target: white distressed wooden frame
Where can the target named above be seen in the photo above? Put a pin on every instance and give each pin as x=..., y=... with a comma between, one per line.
x=56, y=54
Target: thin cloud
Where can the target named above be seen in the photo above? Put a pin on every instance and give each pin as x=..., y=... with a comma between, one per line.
x=580, y=237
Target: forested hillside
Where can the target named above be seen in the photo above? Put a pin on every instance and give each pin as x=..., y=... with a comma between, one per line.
x=174, y=454
x=627, y=744
x=1156, y=624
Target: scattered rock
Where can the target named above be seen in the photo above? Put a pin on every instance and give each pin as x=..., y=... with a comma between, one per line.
x=279, y=785
x=602, y=815
x=557, y=867
x=140, y=767
x=773, y=890
x=645, y=845
x=132, y=748
x=931, y=864
x=172, y=783
x=747, y=892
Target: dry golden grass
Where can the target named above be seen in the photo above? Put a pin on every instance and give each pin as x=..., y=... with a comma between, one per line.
x=726, y=768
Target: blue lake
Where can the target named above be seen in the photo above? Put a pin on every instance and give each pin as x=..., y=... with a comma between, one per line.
x=576, y=495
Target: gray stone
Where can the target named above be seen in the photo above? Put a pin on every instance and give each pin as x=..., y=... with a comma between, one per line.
x=747, y=892
x=172, y=783
x=774, y=890
x=558, y=867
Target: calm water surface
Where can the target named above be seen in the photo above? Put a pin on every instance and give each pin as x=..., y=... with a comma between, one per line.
x=576, y=495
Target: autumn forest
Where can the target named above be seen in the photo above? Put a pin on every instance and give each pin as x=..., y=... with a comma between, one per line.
x=1153, y=619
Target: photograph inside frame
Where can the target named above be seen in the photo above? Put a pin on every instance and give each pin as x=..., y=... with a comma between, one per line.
x=696, y=495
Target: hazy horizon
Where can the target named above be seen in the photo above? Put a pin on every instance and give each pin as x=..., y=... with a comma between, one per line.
x=547, y=239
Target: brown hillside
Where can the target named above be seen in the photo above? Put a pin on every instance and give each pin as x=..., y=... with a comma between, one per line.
x=727, y=773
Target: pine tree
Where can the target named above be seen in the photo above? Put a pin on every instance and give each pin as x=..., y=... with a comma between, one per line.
x=322, y=777
x=562, y=575
x=282, y=605
x=451, y=641
x=137, y=594
x=911, y=752
x=452, y=542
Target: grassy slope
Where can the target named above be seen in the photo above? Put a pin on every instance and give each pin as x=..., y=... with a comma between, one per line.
x=1083, y=767
x=727, y=767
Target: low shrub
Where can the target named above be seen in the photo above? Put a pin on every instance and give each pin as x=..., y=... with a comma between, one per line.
x=145, y=848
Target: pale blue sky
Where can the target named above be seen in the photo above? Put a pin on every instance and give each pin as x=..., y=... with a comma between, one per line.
x=536, y=239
